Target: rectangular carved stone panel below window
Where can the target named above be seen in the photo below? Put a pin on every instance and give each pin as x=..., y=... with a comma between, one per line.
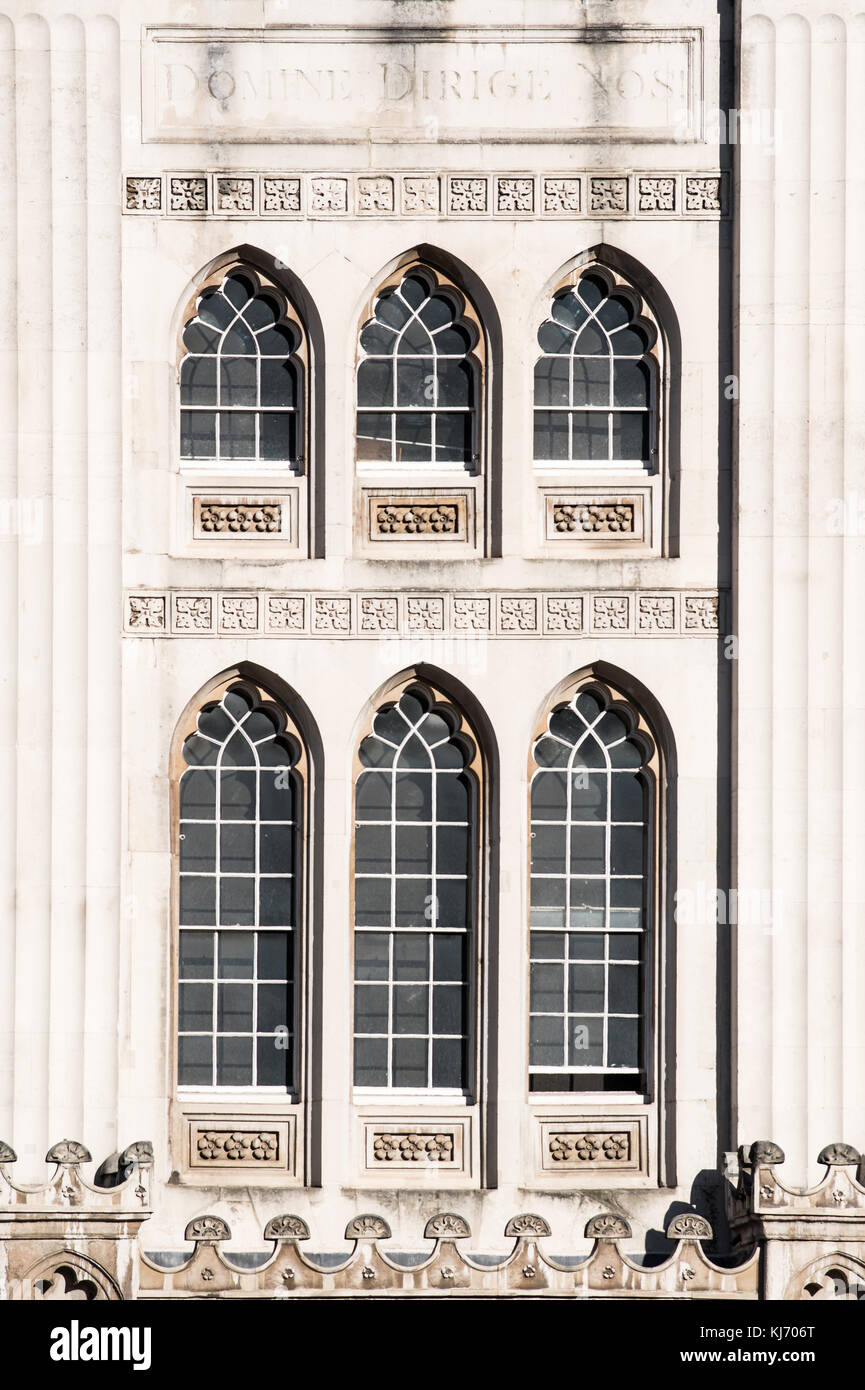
x=402, y=1148
x=584, y=518
x=256, y=518
x=217, y=1144
x=610, y=1145
x=404, y=518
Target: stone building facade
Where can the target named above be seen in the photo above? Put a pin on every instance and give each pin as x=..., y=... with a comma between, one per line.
x=432, y=550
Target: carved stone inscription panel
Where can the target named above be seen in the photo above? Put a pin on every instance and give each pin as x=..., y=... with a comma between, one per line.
x=308, y=84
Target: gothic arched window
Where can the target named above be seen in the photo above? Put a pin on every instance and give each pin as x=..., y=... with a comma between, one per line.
x=418, y=379
x=242, y=376
x=592, y=793
x=415, y=896
x=240, y=822
x=596, y=382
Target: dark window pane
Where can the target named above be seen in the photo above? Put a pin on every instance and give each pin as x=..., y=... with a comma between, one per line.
x=214, y=310
x=410, y=1061
x=197, y=434
x=198, y=381
x=199, y=337
x=199, y=751
x=591, y=381
x=414, y=906
x=546, y=1046
x=627, y=797
x=592, y=290
x=626, y=892
x=553, y=337
x=375, y=382
x=548, y=849
x=589, y=795
x=413, y=795
x=591, y=435
x=274, y=956
x=372, y=898
x=592, y=340
x=415, y=381
x=630, y=342
x=453, y=797
x=585, y=946
x=274, y=1061
x=234, y=1061
x=548, y=945
x=392, y=310
x=195, y=1062
x=549, y=796
x=414, y=753
x=234, y=1008
x=235, y=954
x=551, y=435
x=448, y=1063
x=455, y=383
x=278, y=341
x=624, y=946
x=196, y=955
x=631, y=436
x=237, y=902
x=261, y=312
x=585, y=1042
x=237, y=381
x=568, y=311
x=586, y=989
x=276, y=902
x=413, y=437
x=437, y=312
x=415, y=338
x=588, y=849
x=236, y=434
x=278, y=382
x=272, y=1008
x=196, y=1008
x=371, y=955
x=277, y=436
x=372, y=849
x=276, y=848
x=627, y=754
x=453, y=844
x=414, y=849
x=411, y=956
x=377, y=337
x=449, y=1009
x=277, y=794
x=374, y=435
x=370, y=1061
x=197, y=901
x=215, y=722
x=197, y=848
x=410, y=1008
x=553, y=381
x=615, y=313
x=631, y=383
x=238, y=752
x=627, y=849
x=548, y=892
x=623, y=1042
x=373, y=796
x=453, y=437
x=587, y=892
x=237, y=795
x=548, y=988
x=452, y=902
x=237, y=848
x=454, y=341
x=624, y=989
x=449, y=958
x=198, y=794
x=370, y=1008
x=239, y=340
x=238, y=289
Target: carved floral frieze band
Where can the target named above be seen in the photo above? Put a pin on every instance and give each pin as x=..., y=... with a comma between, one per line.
x=400, y=614
x=579, y=194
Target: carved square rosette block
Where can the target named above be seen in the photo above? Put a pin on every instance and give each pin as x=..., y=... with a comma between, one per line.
x=401, y=1149
x=223, y=1145
x=607, y=1145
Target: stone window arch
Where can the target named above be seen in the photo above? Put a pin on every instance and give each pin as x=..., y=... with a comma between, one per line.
x=243, y=367
x=240, y=816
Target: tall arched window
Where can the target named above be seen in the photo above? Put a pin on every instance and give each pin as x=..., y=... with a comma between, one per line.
x=418, y=378
x=596, y=381
x=415, y=896
x=242, y=376
x=240, y=818
x=594, y=773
